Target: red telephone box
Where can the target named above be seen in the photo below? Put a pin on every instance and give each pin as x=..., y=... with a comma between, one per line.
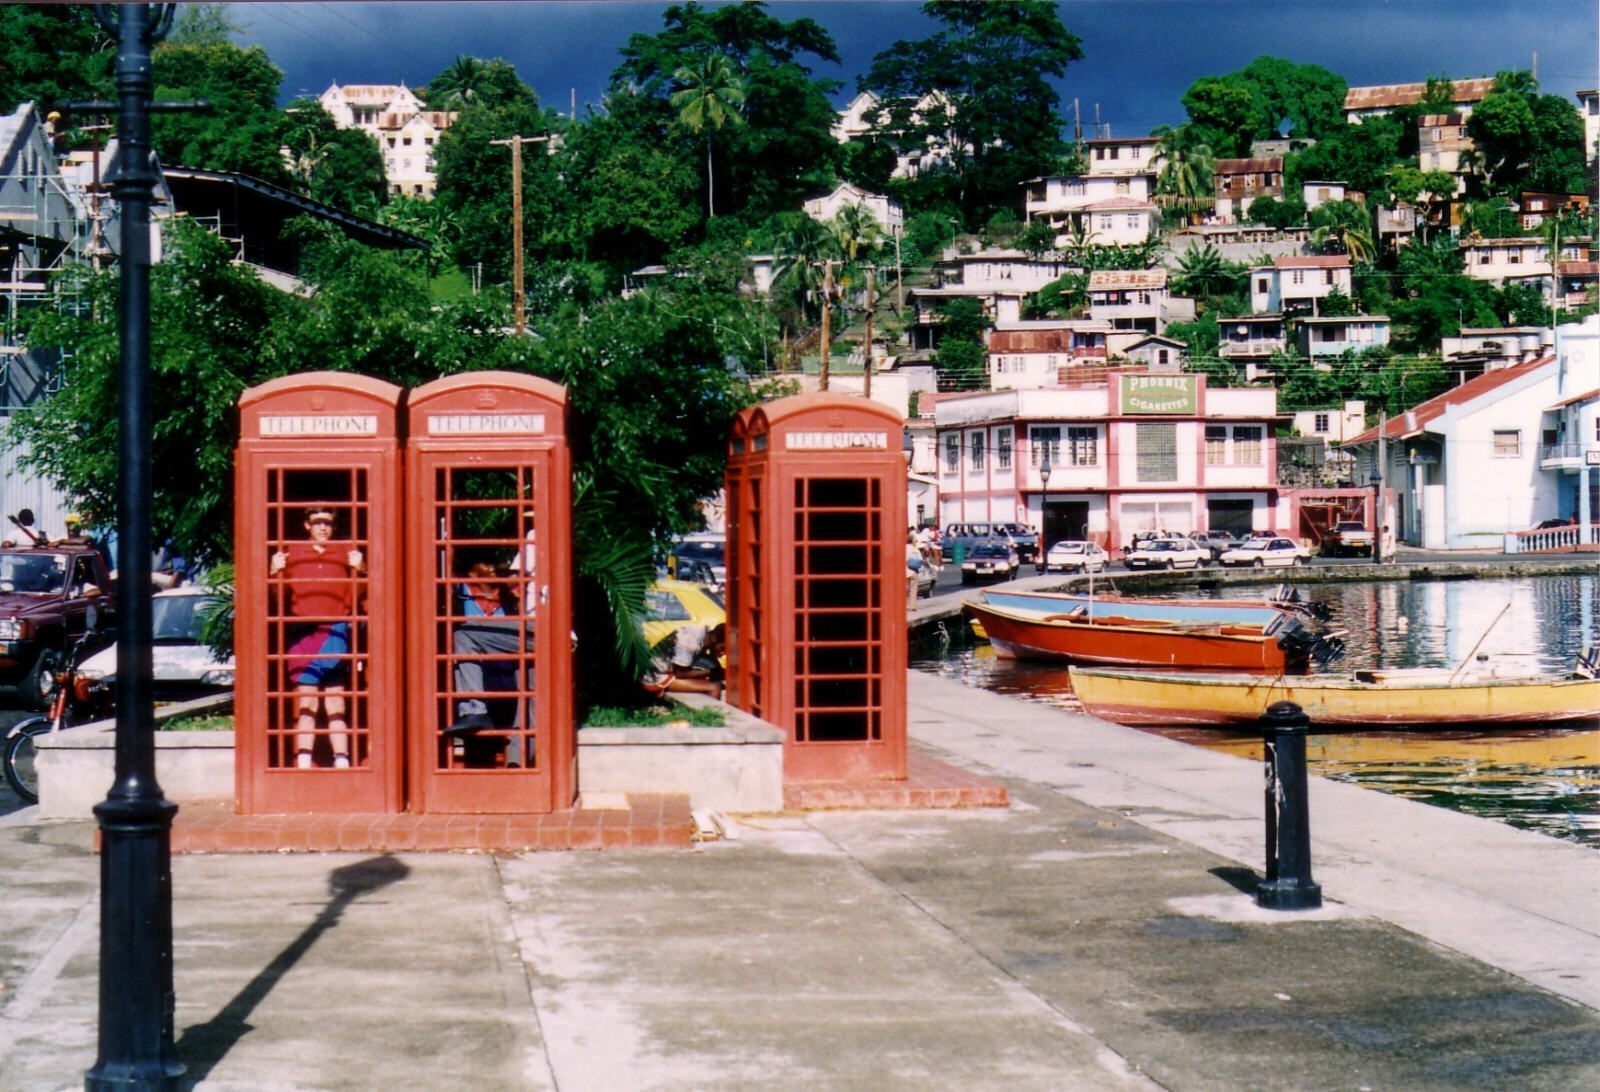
x=317, y=624
x=816, y=490
x=489, y=713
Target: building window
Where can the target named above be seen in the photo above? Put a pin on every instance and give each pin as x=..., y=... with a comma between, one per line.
x=1002, y=451
x=1122, y=185
x=1507, y=443
x=977, y=451
x=1514, y=256
x=1247, y=445
x=1083, y=447
x=1133, y=220
x=1298, y=277
x=1105, y=221
x=1322, y=424
x=1044, y=445
x=1263, y=286
x=1156, y=448
x=952, y=452
x=1327, y=276
x=1216, y=445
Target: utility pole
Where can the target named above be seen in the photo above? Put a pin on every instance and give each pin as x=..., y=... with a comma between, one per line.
x=866, y=385
x=1077, y=129
x=518, y=304
x=827, y=316
x=137, y=1001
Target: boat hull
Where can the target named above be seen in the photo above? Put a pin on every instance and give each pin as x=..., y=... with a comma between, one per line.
x=1136, y=607
x=1033, y=635
x=1411, y=700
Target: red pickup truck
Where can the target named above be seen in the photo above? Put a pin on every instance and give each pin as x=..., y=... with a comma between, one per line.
x=45, y=595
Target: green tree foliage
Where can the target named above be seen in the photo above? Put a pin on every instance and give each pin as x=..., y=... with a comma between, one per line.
x=1203, y=336
x=959, y=359
x=708, y=99
x=1285, y=212
x=342, y=167
x=1065, y=297
x=1260, y=100
x=51, y=53
x=1358, y=155
x=243, y=130
x=980, y=87
x=459, y=86
x=212, y=327
x=1343, y=227
x=785, y=148
x=1186, y=167
x=473, y=176
x=1203, y=274
x=203, y=24
x=1527, y=141
x=1223, y=113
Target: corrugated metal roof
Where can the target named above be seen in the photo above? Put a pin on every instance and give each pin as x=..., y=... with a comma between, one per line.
x=1127, y=278
x=1389, y=95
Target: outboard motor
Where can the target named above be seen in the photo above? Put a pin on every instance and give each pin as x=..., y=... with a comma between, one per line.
x=1589, y=663
x=1327, y=648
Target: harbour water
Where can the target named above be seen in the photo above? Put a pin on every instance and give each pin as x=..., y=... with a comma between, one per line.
x=1538, y=779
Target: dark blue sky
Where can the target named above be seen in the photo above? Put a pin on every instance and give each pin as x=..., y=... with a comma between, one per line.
x=1140, y=55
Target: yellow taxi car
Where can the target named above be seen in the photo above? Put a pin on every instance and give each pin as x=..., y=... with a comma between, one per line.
x=669, y=604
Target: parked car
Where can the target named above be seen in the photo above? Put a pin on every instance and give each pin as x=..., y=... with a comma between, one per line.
x=669, y=604
x=181, y=666
x=1167, y=553
x=1074, y=555
x=1024, y=537
x=1216, y=541
x=960, y=538
x=1350, y=536
x=45, y=596
x=700, y=557
x=1267, y=552
x=994, y=558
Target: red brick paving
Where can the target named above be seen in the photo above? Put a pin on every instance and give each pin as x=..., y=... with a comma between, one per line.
x=929, y=783
x=654, y=821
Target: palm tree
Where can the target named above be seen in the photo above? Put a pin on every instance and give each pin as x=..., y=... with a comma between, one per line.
x=711, y=95
x=458, y=86
x=856, y=229
x=800, y=252
x=1342, y=227
x=1202, y=273
x=1186, y=166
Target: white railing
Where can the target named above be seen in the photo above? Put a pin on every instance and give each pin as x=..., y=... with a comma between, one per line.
x=1552, y=539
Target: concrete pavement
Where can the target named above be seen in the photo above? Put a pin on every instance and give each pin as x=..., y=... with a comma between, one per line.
x=1095, y=934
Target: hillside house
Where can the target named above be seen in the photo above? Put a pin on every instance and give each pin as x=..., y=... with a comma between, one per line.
x=1329, y=337
x=859, y=120
x=406, y=131
x=1520, y=258
x=1251, y=339
x=1293, y=284
x=1589, y=107
x=1533, y=209
x=1106, y=209
x=1442, y=141
x=1130, y=299
x=1157, y=353
x=1043, y=352
x=1124, y=155
x=889, y=213
x=1238, y=182
x=1320, y=192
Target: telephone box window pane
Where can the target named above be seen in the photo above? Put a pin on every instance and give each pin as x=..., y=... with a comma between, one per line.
x=839, y=727
x=846, y=660
x=837, y=593
x=838, y=492
x=839, y=560
x=851, y=626
x=839, y=693
x=845, y=526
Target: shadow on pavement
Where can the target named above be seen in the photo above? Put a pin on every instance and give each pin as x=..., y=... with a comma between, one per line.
x=204, y=1045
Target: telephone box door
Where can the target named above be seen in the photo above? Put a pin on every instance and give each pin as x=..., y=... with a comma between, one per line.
x=490, y=711
x=317, y=625
x=816, y=492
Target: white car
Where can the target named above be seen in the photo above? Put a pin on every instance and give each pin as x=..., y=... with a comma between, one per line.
x=180, y=666
x=1167, y=553
x=1073, y=555
x=1267, y=552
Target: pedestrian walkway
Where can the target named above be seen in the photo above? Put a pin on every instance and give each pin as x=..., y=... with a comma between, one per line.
x=1096, y=933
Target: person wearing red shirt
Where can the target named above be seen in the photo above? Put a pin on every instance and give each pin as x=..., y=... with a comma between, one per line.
x=321, y=581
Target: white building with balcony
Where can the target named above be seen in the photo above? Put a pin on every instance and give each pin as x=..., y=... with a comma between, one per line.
x=1495, y=456
x=1331, y=336
x=1139, y=451
x=1294, y=283
x=405, y=129
x=889, y=213
x=1106, y=209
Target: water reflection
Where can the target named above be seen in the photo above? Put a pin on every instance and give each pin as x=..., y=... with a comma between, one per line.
x=1544, y=780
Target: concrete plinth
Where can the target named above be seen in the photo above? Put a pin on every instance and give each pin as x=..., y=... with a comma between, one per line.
x=77, y=766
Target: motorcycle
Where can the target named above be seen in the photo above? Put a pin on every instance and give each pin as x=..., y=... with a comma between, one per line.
x=74, y=699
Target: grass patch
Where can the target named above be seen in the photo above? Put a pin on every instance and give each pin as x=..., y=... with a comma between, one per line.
x=217, y=722
x=628, y=716
x=450, y=284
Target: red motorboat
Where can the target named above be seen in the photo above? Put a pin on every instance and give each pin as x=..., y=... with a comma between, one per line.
x=1283, y=646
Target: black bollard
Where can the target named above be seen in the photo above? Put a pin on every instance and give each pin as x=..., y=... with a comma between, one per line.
x=1288, y=885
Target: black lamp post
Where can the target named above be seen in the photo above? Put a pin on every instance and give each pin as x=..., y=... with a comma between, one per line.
x=136, y=995
x=1377, y=515
x=1044, y=511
